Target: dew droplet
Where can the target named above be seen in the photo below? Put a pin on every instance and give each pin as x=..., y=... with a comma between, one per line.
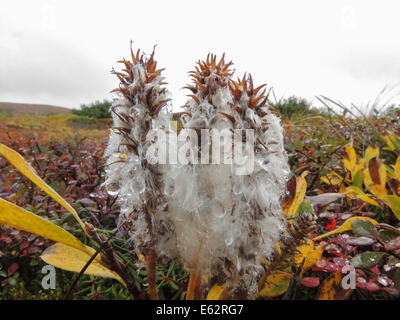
x=237, y=188
x=228, y=238
x=113, y=189
x=138, y=184
x=219, y=210
x=264, y=164
x=169, y=187
x=238, y=265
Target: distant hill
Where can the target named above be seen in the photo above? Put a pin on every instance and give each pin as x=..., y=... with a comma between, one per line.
x=31, y=108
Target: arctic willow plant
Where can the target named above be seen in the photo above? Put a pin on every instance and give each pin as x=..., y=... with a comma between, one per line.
x=214, y=220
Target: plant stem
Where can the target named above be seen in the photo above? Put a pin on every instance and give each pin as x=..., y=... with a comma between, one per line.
x=151, y=260
x=115, y=264
x=193, y=281
x=151, y=274
x=67, y=295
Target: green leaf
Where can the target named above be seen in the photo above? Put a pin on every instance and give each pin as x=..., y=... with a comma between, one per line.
x=305, y=207
x=366, y=259
x=363, y=228
x=358, y=179
x=396, y=279
x=276, y=284
x=385, y=235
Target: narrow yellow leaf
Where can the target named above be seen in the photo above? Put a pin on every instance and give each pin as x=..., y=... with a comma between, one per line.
x=21, y=219
x=71, y=259
x=215, y=292
x=28, y=171
x=346, y=226
x=301, y=186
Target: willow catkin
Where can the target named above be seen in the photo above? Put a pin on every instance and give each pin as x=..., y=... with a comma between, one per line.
x=216, y=217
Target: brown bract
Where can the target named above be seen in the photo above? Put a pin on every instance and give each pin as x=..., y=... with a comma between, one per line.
x=127, y=77
x=208, y=76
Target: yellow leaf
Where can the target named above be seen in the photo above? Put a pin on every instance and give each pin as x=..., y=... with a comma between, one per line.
x=301, y=186
x=346, y=226
x=352, y=191
x=28, y=171
x=311, y=254
x=389, y=142
x=342, y=188
x=21, y=219
x=140, y=256
x=359, y=166
x=331, y=289
x=332, y=178
x=393, y=202
x=379, y=191
x=215, y=292
x=375, y=177
x=397, y=169
x=350, y=158
x=371, y=152
x=276, y=284
x=71, y=259
x=392, y=140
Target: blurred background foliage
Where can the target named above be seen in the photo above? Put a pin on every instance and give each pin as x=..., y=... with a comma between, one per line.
x=67, y=149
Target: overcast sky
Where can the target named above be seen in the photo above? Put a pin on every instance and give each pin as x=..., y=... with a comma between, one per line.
x=61, y=52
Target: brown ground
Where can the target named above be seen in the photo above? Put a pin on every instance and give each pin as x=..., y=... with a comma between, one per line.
x=31, y=108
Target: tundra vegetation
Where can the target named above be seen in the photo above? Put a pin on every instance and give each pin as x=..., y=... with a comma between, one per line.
x=323, y=200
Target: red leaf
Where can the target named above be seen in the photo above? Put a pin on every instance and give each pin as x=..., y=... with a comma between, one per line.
x=331, y=225
x=326, y=265
x=24, y=253
x=341, y=262
x=393, y=244
x=34, y=249
x=375, y=270
x=369, y=286
x=24, y=245
x=336, y=253
x=392, y=291
x=310, y=282
x=12, y=269
x=7, y=240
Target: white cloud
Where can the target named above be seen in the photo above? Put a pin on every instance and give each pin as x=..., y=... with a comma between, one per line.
x=60, y=52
